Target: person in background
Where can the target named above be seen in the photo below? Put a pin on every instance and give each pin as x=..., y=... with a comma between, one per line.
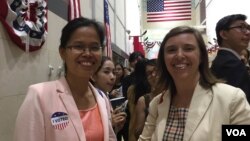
x=127, y=81
x=117, y=89
x=140, y=88
x=194, y=104
x=127, y=71
x=104, y=80
x=233, y=36
x=69, y=109
x=244, y=55
x=117, y=92
x=142, y=104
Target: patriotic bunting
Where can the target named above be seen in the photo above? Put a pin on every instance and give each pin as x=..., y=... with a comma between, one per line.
x=25, y=22
x=150, y=45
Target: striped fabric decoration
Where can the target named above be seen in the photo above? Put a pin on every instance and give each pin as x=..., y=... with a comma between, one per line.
x=107, y=29
x=74, y=9
x=26, y=22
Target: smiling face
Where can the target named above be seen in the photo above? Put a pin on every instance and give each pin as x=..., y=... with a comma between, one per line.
x=182, y=57
x=82, y=64
x=104, y=79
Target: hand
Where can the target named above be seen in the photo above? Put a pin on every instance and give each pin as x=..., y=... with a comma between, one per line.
x=114, y=93
x=118, y=119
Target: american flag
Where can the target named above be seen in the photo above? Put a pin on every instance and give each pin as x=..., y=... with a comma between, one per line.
x=60, y=120
x=107, y=29
x=74, y=9
x=168, y=10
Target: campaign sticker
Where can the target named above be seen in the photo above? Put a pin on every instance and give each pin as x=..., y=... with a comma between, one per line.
x=60, y=120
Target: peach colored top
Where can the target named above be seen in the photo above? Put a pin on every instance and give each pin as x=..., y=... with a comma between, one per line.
x=92, y=124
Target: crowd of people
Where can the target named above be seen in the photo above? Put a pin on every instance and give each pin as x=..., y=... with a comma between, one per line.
x=173, y=97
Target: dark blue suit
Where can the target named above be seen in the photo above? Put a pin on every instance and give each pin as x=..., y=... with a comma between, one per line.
x=229, y=67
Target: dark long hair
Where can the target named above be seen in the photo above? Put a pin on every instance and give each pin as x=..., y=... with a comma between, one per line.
x=73, y=25
x=104, y=59
x=141, y=84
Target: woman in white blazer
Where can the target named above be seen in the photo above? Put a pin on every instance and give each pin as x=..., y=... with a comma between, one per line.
x=69, y=109
x=194, y=105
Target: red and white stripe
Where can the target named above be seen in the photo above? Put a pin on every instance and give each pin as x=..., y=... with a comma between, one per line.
x=62, y=125
x=174, y=10
x=74, y=9
x=108, y=41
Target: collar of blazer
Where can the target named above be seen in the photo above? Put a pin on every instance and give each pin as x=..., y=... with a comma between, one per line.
x=200, y=102
x=198, y=107
x=232, y=51
x=65, y=94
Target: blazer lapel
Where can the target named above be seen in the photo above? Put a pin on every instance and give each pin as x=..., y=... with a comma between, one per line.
x=198, y=107
x=69, y=103
x=103, y=111
x=163, y=109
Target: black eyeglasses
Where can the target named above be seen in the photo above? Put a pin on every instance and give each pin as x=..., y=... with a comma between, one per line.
x=82, y=48
x=243, y=28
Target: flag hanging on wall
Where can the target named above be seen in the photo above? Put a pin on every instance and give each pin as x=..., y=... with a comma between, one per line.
x=138, y=45
x=25, y=22
x=168, y=10
x=107, y=30
x=74, y=10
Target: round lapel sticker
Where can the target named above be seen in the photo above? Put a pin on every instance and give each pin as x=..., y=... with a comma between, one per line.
x=60, y=120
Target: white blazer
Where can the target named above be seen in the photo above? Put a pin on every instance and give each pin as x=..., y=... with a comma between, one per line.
x=208, y=111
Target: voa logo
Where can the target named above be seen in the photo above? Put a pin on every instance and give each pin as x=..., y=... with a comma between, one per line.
x=236, y=132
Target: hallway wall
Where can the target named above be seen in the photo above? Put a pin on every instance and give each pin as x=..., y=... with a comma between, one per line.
x=19, y=69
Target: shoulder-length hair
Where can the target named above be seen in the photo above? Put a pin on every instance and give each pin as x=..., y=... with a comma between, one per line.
x=207, y=79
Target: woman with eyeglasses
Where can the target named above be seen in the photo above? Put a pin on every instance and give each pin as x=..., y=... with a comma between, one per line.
x=142, y=104
x=69, y=109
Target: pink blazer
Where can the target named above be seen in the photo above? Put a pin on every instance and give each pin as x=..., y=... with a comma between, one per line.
x=49, y=113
